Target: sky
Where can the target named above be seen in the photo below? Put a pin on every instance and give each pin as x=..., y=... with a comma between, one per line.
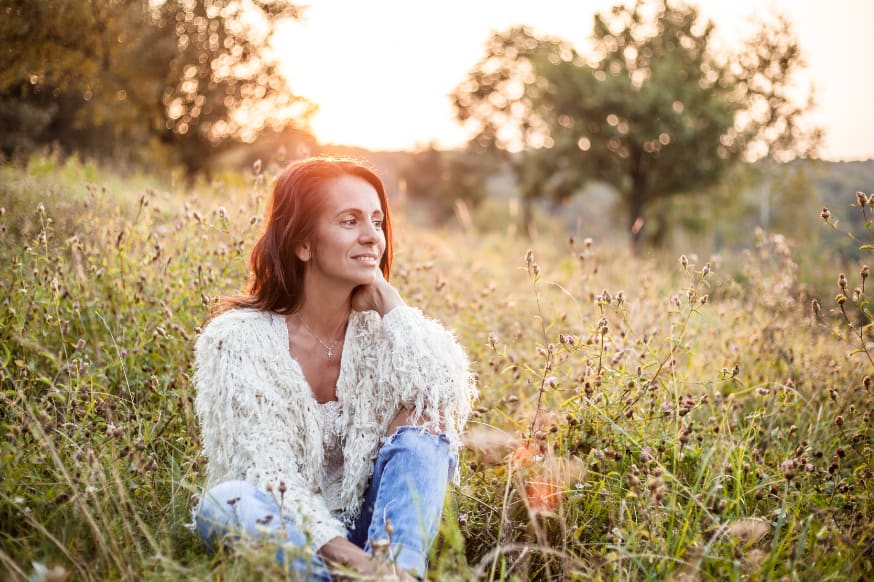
x=381, y=71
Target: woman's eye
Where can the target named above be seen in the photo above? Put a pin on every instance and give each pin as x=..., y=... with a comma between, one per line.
x=377, y=223
x=349, y=222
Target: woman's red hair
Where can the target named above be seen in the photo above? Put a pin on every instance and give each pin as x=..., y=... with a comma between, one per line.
x=276, y=281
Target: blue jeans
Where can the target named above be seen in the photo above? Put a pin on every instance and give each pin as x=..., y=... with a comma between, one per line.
x=408, y=486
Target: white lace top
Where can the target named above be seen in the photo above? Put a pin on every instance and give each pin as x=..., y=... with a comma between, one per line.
x=332, y=469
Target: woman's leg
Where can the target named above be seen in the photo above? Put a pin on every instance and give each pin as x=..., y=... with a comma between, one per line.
x=237, y=509
x=407, y=490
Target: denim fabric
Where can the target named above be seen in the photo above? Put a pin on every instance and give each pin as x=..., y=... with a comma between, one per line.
x=407, y=490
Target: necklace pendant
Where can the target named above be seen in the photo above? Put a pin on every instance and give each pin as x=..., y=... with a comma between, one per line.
x=330, y=353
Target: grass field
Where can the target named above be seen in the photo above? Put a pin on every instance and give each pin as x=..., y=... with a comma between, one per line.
x=670, y=417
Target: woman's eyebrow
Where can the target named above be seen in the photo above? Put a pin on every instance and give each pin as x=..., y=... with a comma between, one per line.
x=354, y=210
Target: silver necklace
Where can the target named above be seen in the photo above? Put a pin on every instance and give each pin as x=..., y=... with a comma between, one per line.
x=329, y=349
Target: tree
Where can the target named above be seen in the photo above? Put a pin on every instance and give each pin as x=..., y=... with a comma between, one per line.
x=188, y=76
x=441, y=178
x=654, y=110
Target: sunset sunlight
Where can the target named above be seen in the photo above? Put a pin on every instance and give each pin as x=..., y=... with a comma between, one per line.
x=381, y=71
x=469, y=290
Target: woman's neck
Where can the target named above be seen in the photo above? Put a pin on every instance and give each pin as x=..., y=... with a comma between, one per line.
x=325, y=310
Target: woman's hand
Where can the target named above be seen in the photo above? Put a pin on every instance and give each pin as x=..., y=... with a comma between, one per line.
x=378, y=296
x=343, y=553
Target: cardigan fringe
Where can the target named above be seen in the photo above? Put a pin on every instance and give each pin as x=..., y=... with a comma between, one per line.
x=259, y=420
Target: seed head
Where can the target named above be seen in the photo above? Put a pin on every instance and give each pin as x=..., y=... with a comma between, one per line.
x=256, y=167
x=684, y=261
x=839, y=420
x=706, y=270
x=529, y=257
x=493, y=339
x=815, y=307
x=861, y=199
x=825, y=214
x=842, y=282
x=864, y=272
x=282, y=488
x=840, y=298
x=788, y=468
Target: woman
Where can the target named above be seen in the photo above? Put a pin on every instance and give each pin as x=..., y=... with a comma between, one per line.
x=330, y=410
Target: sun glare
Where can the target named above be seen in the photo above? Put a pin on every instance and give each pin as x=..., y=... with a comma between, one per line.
x=370, y=96
x=381, y=71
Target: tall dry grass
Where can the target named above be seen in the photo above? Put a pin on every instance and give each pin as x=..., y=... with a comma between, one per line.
x=685, y=417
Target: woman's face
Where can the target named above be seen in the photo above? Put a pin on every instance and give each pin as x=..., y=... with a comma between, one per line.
x=349, y=241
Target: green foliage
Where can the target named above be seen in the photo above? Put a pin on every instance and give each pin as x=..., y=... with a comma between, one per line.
x=653, y=111
x=638, y=419
x=135, y=78
x=443, y=179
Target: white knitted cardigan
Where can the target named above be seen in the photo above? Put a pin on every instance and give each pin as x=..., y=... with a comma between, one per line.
x=259, y=418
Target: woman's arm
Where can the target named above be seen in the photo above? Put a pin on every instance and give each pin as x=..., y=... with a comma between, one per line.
x=422, y=362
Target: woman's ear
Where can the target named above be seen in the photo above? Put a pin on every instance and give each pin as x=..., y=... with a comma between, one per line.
x=304, y=252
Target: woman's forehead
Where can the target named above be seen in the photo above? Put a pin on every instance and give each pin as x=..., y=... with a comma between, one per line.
x=351, y=192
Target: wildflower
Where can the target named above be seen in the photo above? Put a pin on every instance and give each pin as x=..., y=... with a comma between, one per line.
x=256, y=167
x=861, y=199
x=825, y=214
x=839, y=420
x=493, y=339
x=815, y=307
x=588, y=241
x=840, y=298
x=706, y=270
x=788, y=468
x=603, y=328
x=842, y=282
x=684, y=261
x=704, y=299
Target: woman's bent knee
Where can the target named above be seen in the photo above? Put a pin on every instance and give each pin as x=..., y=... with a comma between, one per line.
x=405, y=417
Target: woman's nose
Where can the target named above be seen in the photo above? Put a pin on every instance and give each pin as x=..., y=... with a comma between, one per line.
x=369, y=232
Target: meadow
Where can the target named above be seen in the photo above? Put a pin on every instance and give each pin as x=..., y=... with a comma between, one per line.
x=685, y=417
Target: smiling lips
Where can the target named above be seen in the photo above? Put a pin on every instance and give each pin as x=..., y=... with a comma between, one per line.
x=367, y=258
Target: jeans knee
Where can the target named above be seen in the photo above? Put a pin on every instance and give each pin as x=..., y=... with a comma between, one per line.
x=227, y=493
